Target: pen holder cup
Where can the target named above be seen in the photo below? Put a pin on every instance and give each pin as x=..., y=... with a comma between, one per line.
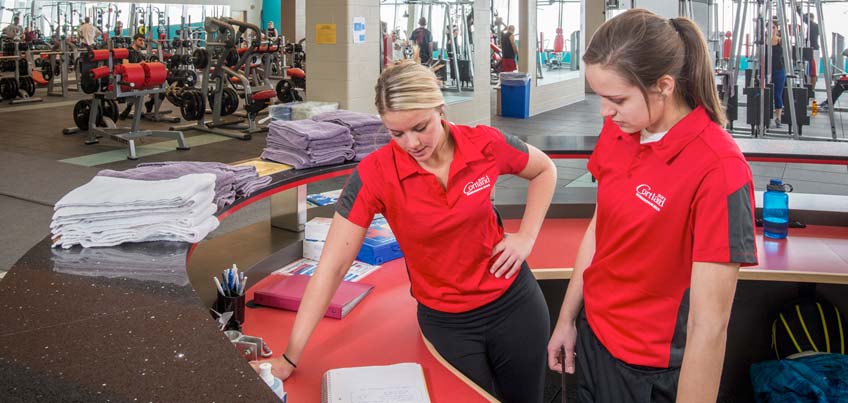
x=223, y=305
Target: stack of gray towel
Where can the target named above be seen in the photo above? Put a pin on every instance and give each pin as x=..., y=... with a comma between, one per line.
x=109, y=211
x=307, y=143
x=230, y=181
x=367, y=130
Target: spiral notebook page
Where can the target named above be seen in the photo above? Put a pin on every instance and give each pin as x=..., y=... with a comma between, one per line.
x=380, y=384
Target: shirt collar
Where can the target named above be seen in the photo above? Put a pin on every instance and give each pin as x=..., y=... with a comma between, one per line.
x=681, y=134
x=464, y=152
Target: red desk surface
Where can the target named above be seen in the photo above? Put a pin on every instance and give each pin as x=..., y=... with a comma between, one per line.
x=383, y=329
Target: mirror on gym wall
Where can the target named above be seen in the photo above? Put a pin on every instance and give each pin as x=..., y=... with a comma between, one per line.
x=559, y=26
x=438, y=34
x=49, y=19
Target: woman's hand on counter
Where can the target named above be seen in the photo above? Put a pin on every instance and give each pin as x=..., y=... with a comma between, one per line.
x=279, y=367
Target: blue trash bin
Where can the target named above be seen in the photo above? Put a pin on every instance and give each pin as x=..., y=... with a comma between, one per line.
x=515, y=95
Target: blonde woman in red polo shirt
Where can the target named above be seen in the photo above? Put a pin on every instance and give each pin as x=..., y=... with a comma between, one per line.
x=656, y=270
x=478, y=303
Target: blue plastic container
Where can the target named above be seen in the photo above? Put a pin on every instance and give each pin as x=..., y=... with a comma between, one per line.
x=776, y=209
x=515, y=95
x=380, y=245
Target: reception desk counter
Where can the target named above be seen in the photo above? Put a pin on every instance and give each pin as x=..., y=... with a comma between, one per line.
x=131, y=323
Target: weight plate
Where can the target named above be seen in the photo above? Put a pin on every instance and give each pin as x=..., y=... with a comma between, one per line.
x=284, y=91
x=82, y=111
x=230, y=102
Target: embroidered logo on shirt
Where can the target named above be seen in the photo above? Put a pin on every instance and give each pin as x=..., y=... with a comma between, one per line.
x=651, y=198
x=473, y=187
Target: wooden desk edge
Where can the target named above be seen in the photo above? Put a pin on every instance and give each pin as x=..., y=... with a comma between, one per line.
x=482, y=392
x=744, y=274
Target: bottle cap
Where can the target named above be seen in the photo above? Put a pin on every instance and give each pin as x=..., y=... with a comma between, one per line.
x=778, y=186
x=265, y=373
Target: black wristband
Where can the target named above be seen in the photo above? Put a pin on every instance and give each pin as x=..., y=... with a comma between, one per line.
x=288, y=360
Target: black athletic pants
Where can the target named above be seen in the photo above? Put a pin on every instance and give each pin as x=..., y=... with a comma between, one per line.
x=500, y=346
x=602, y=378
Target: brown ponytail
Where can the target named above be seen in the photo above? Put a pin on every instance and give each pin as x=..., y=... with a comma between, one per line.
x=642, y=47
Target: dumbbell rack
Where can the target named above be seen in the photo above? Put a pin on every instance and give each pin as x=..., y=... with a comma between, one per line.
x=219, y=38
x=123, y=135
x=21, y=96
x=218, y=121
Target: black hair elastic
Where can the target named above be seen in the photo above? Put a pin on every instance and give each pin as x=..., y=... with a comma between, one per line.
x=288, y=360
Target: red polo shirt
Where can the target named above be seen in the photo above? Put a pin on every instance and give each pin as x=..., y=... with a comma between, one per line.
x=446, y=235
x=661, y=207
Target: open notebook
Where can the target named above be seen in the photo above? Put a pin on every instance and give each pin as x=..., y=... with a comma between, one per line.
x=402, y=382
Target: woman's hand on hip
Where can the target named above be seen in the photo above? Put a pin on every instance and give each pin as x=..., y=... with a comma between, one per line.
x=514, y=249
x=563, y=337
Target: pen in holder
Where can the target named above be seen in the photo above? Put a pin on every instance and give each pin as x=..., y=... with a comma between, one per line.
x=229, y=311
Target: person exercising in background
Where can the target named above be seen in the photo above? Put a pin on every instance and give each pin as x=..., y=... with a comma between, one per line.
x=422, y=37
x=509, y=49
x=136, y=55
x=88, y=33
x=14, y=31
x=778, y=73
x=271, y=32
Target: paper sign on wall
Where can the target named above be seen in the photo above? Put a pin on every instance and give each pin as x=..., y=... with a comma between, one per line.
x=358, y=29
x=325, y=34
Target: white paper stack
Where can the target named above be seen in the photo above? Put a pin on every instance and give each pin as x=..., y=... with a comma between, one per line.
x=110, y=211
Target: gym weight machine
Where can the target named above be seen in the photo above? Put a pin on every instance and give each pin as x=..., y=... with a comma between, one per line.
x=108, y=81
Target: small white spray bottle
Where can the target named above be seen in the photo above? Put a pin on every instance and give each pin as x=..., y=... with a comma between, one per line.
x=272, y=381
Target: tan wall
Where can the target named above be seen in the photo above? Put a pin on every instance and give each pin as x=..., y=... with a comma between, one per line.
x=343, y=72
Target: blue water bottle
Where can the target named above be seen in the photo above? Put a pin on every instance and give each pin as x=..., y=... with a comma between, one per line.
x=776, y=209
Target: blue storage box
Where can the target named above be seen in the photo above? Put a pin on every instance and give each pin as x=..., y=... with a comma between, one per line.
x=380, y=245
x=515, y=95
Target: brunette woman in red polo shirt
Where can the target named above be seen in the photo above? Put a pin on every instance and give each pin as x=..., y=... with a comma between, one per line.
x=478, y=302
x=656, y=270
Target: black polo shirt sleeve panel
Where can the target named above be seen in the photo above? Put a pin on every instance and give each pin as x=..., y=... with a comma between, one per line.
x=722, y=215
x=741, y=227
x=358, y=203
x=596, y=160
x=678, y=340
x=509, y=152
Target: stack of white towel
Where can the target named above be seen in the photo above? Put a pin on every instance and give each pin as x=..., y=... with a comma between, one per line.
x=109, y=211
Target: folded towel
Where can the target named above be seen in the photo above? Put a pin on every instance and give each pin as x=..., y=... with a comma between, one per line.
x=301, y=132
x=197, y=201
x=348, y=118
x=245, y=175
x=286, y=142
x=86, y=226
x=157, y=232
x=106, y=191
x=108, y=211
x=301, y=160
x=225, y=191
